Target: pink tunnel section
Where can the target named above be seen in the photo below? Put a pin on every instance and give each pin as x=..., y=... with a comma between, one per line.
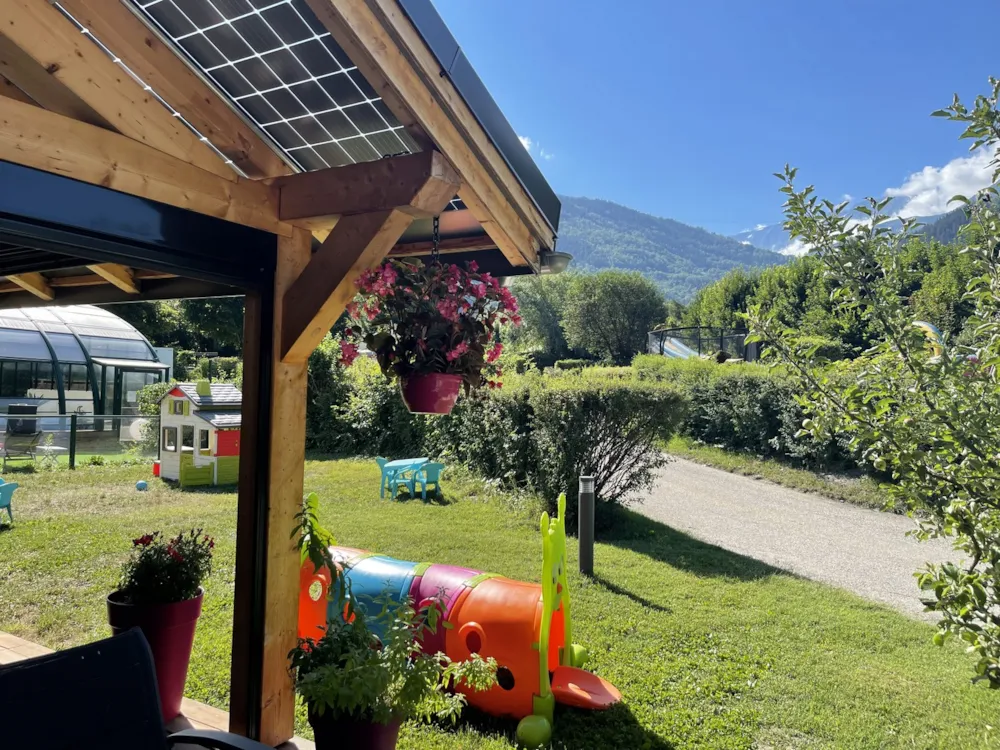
x=444, y=583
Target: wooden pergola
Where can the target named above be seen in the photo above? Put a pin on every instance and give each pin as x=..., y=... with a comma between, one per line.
x=131, y=170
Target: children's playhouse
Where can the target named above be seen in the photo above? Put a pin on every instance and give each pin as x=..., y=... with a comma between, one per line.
x=200, y=434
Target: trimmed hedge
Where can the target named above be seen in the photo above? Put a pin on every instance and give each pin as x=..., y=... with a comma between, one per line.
x=743, y=407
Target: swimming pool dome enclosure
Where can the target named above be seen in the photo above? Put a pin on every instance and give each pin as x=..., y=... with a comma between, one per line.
x=76, y=359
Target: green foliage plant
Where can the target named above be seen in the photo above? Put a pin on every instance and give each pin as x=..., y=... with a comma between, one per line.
x=352, y=673
x=931, y=422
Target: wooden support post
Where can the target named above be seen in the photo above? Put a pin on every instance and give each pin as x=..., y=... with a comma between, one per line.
x=320, y=295
x=376, y=202
x=270, y=494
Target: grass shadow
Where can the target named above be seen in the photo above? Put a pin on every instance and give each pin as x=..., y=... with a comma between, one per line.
x=616, y=727
x=614, y=588
x=638, y=533
x=433, y=498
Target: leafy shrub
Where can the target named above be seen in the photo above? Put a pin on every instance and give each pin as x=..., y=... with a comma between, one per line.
x=572, y=364
x=375, y=417
x=217, y=369
x=545, y=431
x=148, y=399
x=327, y=392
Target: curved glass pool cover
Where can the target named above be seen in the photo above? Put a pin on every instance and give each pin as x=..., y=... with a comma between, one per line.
x=73, y=359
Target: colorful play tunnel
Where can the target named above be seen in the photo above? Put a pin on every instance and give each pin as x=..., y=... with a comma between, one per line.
x=526, y=627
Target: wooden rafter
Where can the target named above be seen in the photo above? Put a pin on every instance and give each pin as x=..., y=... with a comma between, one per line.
x=44, y=140
x=35, y=283
x=382, y=40
x=157, y=64
x=391, y=192
x=449, y=245
x=8, y=89
x=117, y=274
x=90, y=279
x=52, y=42
x=33, y=83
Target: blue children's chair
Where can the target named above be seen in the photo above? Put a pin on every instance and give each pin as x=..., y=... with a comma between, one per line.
x=429, y=474
x=6, y=494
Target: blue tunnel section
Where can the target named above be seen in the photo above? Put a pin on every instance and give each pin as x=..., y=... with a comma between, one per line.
x=372, y=578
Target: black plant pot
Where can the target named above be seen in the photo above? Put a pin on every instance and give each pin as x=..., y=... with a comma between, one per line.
x=333, y=732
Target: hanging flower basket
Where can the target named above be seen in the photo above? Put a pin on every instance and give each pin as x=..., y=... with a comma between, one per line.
x=434, y=327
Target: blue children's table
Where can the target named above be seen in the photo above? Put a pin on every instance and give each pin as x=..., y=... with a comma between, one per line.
x=399, y=469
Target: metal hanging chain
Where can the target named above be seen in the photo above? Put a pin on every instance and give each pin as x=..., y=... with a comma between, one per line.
x=436, y=241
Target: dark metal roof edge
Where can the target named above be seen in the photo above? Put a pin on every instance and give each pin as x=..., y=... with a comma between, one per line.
x=443, y=45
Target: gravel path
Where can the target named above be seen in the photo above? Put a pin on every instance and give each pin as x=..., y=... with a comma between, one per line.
x=864, y=551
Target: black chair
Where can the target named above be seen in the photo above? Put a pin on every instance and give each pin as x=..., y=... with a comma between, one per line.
x=101, y=696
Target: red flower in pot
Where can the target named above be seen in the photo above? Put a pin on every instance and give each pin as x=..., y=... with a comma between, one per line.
x=434, y=327
x=160, y=593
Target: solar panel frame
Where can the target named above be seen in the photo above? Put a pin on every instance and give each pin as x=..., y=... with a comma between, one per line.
x=286, y=74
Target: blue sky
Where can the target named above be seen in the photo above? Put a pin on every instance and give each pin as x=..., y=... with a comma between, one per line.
x=685, y=109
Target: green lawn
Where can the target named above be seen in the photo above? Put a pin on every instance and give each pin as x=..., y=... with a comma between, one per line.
x=863, y=491
x=710, y=649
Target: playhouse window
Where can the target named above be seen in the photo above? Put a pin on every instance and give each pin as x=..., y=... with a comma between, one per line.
x=203, y=439
x=170, y=438
x=178, y=406
x=187, y=436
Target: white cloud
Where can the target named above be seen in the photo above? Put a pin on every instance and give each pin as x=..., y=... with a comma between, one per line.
x=847, y=197
x=795, y=248
x=525, y=141
x=547, y=155
x=929, y=190
x=745, y=242
x=759, y=227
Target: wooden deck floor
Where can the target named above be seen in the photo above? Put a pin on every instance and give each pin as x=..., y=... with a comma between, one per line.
x=194, y=715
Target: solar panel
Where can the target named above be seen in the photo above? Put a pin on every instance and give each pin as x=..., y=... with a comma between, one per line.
x=283, y=69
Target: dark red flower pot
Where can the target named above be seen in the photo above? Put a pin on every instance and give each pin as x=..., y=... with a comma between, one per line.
x=335, y=732
x=433, y=393
x=169, y=628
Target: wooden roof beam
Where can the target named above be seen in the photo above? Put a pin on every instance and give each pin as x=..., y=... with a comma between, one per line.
x=359, y=241
x=412, y=183
x=384, y=44
x=156, y=63
x=44, y=140
x=48, y=38
x=117, y=274
x=35, y=283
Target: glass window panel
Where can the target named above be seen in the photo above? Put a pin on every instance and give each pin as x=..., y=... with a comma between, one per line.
x=66, y=347
x=187, y=436
x=8, y=374
x=203, y=439
x=43, y=376
x=22, y=345
x=170, y=438
x=98, y=346
x=79, y=378
x=25, y=379
x=178, y=406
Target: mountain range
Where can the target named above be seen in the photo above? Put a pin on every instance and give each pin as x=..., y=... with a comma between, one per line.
x=942, y=227
x=679, y=258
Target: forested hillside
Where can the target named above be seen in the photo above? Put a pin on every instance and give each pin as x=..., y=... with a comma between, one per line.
x=679, y=258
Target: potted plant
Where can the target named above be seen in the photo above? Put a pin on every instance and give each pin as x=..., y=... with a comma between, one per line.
x=160, y=593
x=358, y=688
x=435, y=327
